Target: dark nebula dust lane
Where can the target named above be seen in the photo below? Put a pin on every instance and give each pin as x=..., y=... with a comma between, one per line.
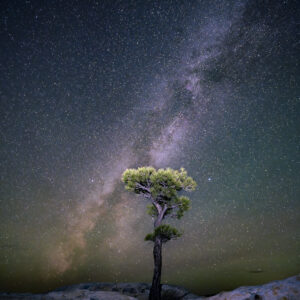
x=91, y=88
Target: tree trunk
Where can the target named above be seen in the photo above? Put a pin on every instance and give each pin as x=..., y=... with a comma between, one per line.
x=156, y=286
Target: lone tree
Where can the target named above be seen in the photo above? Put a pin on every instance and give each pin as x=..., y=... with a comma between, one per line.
x=161, y=188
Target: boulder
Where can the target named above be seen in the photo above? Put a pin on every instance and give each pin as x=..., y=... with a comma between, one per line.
x=170, y=292
x=287, y=289
x=87, y=295
x=68, y=295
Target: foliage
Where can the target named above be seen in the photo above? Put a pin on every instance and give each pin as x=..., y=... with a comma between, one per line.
x=151, y=210
x=162, y=187
x=165, y=232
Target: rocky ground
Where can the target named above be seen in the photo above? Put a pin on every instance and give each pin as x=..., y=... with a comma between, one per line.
x=287, y=289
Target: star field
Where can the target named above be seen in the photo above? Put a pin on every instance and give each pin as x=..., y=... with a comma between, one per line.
x=90, y=88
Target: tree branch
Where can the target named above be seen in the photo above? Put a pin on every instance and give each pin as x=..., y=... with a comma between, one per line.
x=165, y=209
x=173, y=216
x=160, y=215
x=142, y=188
x=158, y=207
x=175, y=206
x=162, y=183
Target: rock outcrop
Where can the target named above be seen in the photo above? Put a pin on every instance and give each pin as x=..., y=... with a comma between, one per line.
x=287, y=289
x=106, y=291
x=76, y=294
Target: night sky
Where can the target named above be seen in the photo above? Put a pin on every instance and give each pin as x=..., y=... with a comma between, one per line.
x=90, y=88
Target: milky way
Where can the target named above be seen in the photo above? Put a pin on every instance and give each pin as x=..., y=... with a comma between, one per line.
x=89, y=89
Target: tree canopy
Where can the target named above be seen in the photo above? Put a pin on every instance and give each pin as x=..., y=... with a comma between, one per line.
x=161, y=187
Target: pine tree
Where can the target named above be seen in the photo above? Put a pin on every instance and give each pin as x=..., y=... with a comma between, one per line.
x=161, y=188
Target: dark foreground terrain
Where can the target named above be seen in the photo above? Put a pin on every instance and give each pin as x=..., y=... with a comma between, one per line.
x=287, y=289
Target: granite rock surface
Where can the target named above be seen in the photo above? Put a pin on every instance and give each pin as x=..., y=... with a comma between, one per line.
x=287, y=289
